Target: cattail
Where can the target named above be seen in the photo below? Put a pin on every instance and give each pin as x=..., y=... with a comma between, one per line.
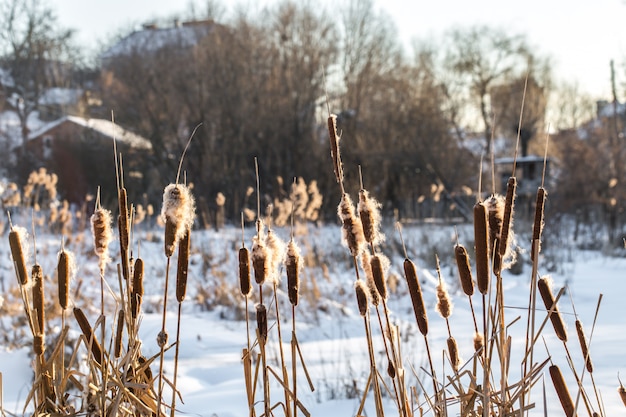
x=260, y=255
x=352, y=229
x=562, y=391
x=137, y=291
x=622, y=393
x=479, y=341
x=507, y=219
x=444, y=302
x=495, y=207
x=453, y=350
x=379, y=265
x=65, y=271
x=584, y=347
x=38, y=297
x=415, y=291
x=17, y=239
x=545, y=290
x=85, y=327
x=39, y=345
x=244, y=271
x=162, y=338
x=369, y=214
x=465, y=272
x=391, y=370
x=123, y=219
x=361, y=297
x=293, y=265
x=538, y=222
x=482, y=247
x=276, y=248
x=102, y=234
x=117, y=347
x=334, y=147
x=182, y=270
x=179, y=210
x=261, y=320
x=366, y=264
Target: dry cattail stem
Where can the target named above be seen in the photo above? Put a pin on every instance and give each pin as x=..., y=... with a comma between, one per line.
x=482, y=247
x=334, y=147
x=293, y=265
x=352, y=229
x=16, y=238
x=85, y=327
x=465, y=271
x=63, y=278
x=544, y=285
x=507, y=219
x=137, y=291
x=123, y=219
x=182, y=270
x=415, y=291
x=378, y=274
x=584, y=347
x=117, y=347
x=261, y=320
x=538, y=222
x=453, y=350
x=244, y=271
x=38, y=296
x=562, y=391
x=361, y=297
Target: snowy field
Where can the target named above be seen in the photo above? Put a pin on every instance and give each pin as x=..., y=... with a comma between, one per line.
x=329, y=328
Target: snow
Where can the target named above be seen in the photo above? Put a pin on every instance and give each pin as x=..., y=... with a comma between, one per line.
x=329, y=328
x=60, y=96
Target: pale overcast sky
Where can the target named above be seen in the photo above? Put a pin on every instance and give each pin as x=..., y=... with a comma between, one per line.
x=581, y=36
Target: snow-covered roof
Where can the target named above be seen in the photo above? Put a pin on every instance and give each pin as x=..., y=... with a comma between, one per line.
x=60, y=96
x=102, y=126
x=151, y=39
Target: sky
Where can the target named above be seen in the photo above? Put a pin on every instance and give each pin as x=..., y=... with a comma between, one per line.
x=581, y=37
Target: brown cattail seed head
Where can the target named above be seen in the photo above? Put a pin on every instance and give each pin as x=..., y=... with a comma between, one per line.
x=182, y=270
x=366, y=264
x=545, y=289
x=260, y=257
x=17, y=240
x=137, y=291
x=38, y=344
x=379, y=266
x=179, y=210
x=538, y=222
x=444, y=303
x=369, y=213
x=38, y=297
x=415, y=291
x=90, y=338
x=622, y=393
x=244, y=271
x=334, y=147
x=123, y=219
x=495, y=206
x=507, y=219
x=391, y=370
x=162, y=338
x=453, y=350
x=293, y=265
x=562, y=391
x=482, y=247
x=102, y=234
x=261, y=320
x=584, y=347
x=479, y=341
x=352, y=229
x=65, y=272
x=361, y=297
x=117, y=347
x=465, y=272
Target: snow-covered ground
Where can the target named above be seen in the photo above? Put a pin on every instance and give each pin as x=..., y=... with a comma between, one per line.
x=329, y=328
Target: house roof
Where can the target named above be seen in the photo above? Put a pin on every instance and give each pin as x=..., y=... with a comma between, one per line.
x=152, y=38
x=104, y=127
